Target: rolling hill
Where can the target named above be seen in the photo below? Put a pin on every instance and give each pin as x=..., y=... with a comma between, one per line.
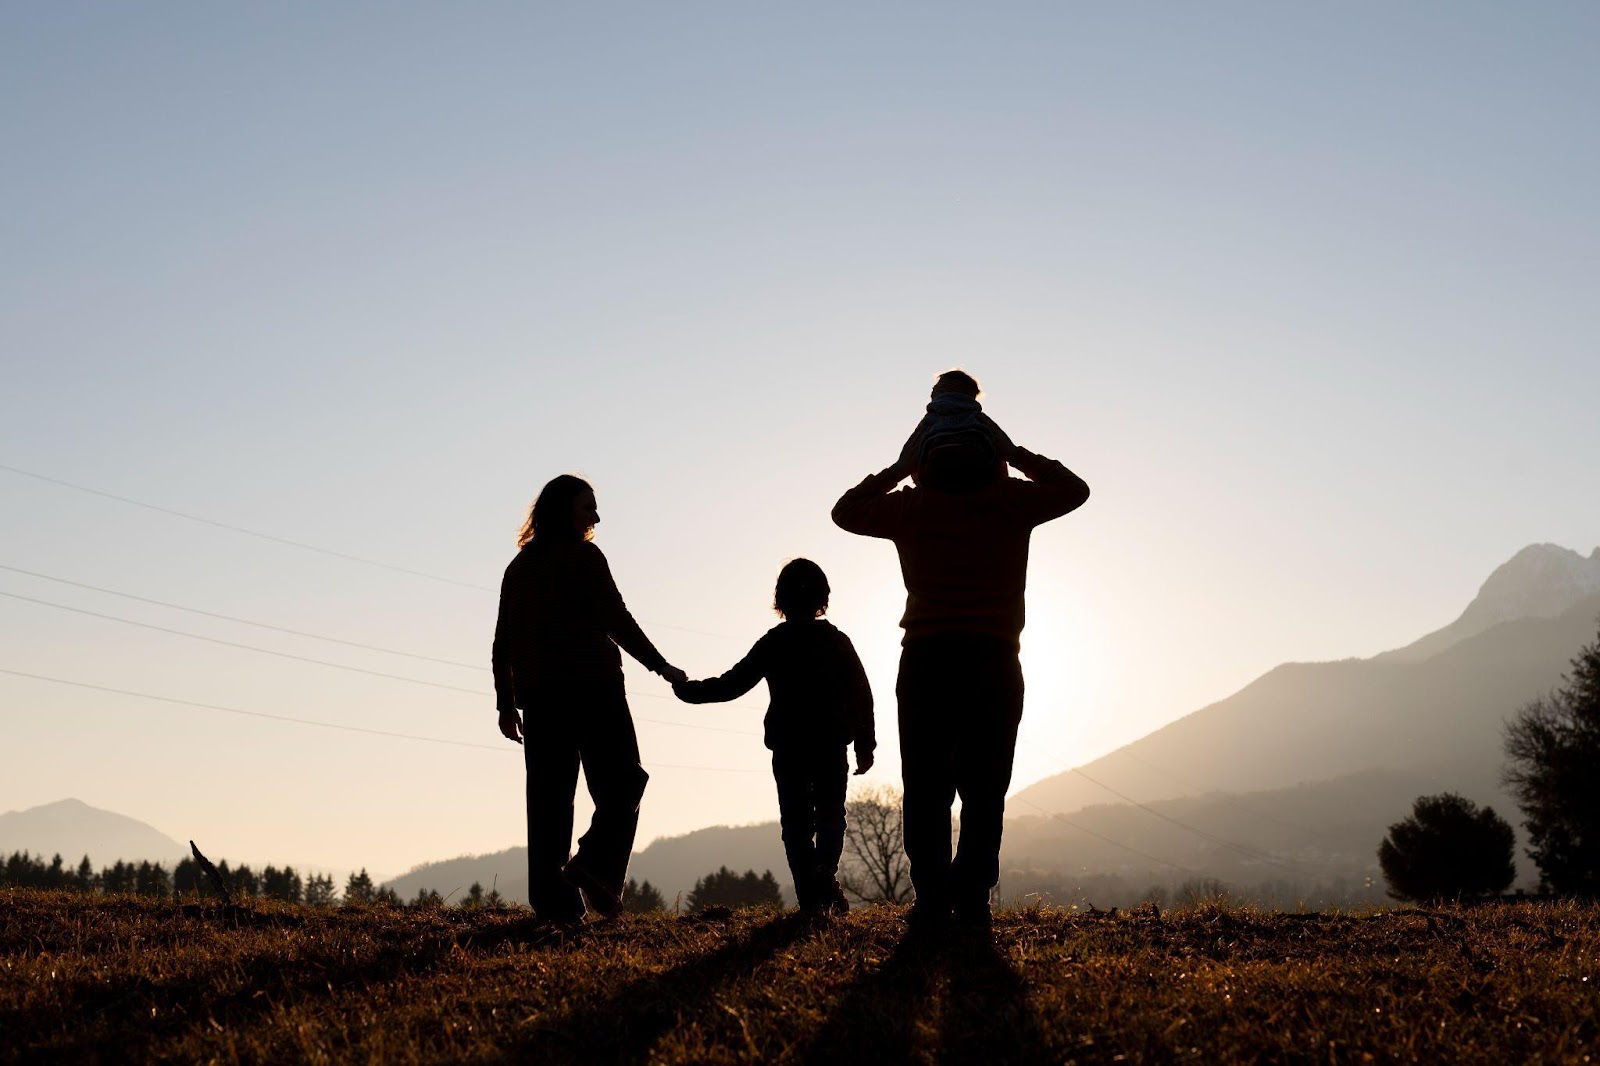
x=73, y=829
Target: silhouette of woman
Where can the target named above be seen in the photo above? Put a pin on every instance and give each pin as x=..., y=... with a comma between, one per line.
x=555, y=657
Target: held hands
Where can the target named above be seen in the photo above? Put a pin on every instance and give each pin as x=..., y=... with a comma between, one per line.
x=674, y=676
x=511, y=726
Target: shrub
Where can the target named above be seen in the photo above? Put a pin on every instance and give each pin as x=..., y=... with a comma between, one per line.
x=1448, y=849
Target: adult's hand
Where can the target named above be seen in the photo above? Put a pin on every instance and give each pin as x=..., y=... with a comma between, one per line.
x=511, y=726
x=674, y=676
x=864, y=761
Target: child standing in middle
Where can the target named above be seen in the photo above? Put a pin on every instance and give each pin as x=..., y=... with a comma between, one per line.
x=819, y=704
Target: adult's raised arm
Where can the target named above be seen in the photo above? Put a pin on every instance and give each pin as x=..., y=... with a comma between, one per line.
x=1051, y=489
x=872, y=508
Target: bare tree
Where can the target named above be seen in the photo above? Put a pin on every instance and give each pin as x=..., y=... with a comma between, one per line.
x=875, y=867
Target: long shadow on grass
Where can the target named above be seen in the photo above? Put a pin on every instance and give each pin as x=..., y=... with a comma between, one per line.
x=955, y=1001
x=623, y=1026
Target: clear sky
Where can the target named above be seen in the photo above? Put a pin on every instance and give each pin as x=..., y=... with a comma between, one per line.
x=1307, y=294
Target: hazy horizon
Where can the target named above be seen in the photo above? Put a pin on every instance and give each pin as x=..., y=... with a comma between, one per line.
x=1307, y=297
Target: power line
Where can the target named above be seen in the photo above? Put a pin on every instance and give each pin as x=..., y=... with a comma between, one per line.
x=1241, y=848
x=321, y=724
x=337, y=666
x=1109, y=840
x=241, y=621
x=1224, y=797
x=246, y=647
x=302, y=545
x=242, y=530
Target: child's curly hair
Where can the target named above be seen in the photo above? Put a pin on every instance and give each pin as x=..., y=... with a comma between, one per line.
x=802, y=590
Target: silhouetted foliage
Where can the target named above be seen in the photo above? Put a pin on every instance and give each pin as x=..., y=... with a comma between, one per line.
x=428, y=898
x=642, y=899
x=874, y=867
x=319, y=890
x=282, y=884
x=359, y=888
x=1448, y=848
x=1552, y=750
x=22, y=870
x=728, y=889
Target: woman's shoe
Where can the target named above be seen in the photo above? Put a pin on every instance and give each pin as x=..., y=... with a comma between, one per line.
x=601, y=899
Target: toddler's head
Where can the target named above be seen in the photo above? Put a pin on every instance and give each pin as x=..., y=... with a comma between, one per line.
x=802, y=590
x=956, y=381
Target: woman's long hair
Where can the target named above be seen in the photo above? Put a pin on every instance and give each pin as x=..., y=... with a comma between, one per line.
x=550, y=517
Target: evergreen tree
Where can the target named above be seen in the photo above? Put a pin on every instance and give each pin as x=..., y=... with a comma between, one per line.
x=724, y=888
x=118, y=878
x=319, y=891
x=1448, y=849
x=427, y=897
x=282, y=884
x=84, y=880
x=244, y=884
x=359, y=888
x=151, y=880
x=1552, y=749
x=474, y=898
x=387, y=897
x=642, y=899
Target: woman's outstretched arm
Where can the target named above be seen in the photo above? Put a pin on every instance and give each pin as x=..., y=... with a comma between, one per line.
x=619, y=622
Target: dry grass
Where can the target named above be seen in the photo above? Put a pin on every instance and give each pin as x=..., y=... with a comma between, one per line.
x=114, y=979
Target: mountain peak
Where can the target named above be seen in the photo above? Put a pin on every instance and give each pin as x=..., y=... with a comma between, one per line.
x=1540, y=581
x=73, y=828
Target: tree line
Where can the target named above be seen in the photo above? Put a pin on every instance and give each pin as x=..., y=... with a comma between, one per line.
x=187, y=881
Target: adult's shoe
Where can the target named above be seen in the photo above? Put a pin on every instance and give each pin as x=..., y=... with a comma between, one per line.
x=927, y=920
x=974, y=918
x=601, y=898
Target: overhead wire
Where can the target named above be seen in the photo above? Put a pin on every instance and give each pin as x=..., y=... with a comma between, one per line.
x=1242, y=849
x=302, y=545
x=1058, y=816
x=241, y=621
x=334, y=665
x=350, y=557
x=323, y=724
x=1225, y=797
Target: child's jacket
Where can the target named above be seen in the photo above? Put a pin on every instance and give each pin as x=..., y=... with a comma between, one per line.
x=819, y=695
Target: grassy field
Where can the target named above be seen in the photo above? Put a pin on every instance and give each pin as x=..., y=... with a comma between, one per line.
x=85, y=979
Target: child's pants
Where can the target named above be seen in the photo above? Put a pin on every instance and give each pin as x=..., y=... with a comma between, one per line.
x=811, y=786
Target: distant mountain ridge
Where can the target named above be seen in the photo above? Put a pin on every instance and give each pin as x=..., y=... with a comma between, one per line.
x=73, y=829
x=1435, y=706
x=1540, y=581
